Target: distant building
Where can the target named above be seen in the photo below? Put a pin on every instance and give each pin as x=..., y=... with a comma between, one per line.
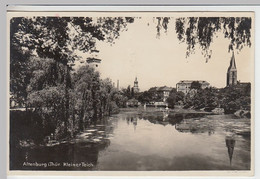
x=164, y=92
x=94, y=62
x=232, y=72
x=185, y=85
x=243, y=84
x=136, y=88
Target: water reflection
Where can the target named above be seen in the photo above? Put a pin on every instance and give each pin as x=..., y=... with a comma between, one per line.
x=157, y=140
x=230, y=143
x=132, y=120
x=80, y=153
x=183, y=122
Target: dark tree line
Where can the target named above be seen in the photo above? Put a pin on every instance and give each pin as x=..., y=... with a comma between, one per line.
x=231, y=99
x=43, y=51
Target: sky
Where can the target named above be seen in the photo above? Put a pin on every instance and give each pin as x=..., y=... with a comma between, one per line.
x=161, y=61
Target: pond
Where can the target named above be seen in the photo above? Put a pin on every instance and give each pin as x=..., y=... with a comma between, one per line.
x=151, y=139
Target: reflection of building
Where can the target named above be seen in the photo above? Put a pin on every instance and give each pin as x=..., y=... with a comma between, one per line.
x=164, y=92
x=133, y=120
x=185, y=85
x=136, y=88
x=232, y=72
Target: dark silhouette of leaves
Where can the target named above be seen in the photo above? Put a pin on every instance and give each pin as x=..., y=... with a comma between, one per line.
x=202, y=30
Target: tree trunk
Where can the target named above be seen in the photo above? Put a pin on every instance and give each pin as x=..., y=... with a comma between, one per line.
x=66, y=120
x=82, y=111
x=95, y=109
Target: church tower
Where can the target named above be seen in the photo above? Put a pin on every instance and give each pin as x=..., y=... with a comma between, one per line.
x=93, y=61
x=232, y=72
x=136, y=89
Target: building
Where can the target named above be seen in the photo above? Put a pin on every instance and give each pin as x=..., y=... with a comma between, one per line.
x=94, y=62
x=232, y=72
x=164, y=92
x=185, y=85
x=136, y=88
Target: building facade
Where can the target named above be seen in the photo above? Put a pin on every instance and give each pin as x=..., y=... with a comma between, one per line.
x=94, y=62
x=232, y=72
x=164, y=92
x=185, y=85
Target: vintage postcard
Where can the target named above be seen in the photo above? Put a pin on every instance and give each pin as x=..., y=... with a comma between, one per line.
x=131, y=93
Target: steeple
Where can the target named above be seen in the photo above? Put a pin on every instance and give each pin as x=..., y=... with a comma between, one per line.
x=232, y=72
x=232, y=62
x=136, y=89
x=136, y=82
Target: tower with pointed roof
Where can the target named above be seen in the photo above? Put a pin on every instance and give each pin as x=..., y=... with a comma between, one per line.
x=232, y=72
x=136, y=88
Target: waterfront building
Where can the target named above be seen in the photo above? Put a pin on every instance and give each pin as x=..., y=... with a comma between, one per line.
x=185, y=85
x=164, y=92
x=232, y=72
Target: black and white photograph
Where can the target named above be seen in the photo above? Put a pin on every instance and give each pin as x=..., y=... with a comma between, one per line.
x=131, y=91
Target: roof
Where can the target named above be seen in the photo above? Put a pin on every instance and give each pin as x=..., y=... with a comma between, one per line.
x=244, y=84
x=190, y=81
x=164, y=88
x=232, y=63
x=91, y=60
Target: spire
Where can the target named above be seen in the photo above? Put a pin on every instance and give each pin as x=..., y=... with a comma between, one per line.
x=232, y=72
x=233, y=62
x=136, y=89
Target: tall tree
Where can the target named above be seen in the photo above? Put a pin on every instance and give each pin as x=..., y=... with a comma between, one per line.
x=57, y=38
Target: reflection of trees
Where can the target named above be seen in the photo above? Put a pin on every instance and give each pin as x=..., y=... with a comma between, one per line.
x=71, y=153
x=230, y=144
x=75, y=151
x=183, y=122
x=165, y=118
x=195, y=126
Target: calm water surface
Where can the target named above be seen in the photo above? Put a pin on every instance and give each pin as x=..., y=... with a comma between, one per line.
x=152, y=139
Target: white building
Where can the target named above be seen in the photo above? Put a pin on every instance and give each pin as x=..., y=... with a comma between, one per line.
x=94, y=63
x=185, y=85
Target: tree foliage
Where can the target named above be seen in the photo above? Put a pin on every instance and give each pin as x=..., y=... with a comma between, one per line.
x=202, y=30
x=195, y=85
x=43, y=50
x=231, y=98
x=57, y=38
x=174, y=97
